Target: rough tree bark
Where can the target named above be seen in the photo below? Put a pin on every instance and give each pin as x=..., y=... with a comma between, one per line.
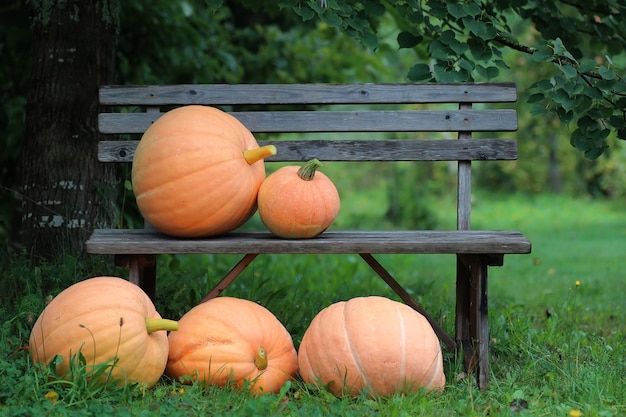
x=66, y=192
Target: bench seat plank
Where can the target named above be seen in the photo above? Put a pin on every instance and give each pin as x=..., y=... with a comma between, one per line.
x=498, y=120
x=150, y=242
x=357, y=150
x=226, y=94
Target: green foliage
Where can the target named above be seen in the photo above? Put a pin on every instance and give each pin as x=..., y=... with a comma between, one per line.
x=467, y=41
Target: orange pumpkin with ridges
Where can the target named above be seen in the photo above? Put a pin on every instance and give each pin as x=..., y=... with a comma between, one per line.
x=196, y=172
x=229, y=340
x=108, y=320
x=298, y=202
x=371, y=344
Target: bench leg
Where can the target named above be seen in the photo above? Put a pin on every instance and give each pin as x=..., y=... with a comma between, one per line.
x=472, y=331
x=141, y=271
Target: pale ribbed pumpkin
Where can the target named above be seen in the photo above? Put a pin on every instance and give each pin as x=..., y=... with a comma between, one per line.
x=196, y=172
x=104, y=319
x=232, y=341
x=371, y=344
x=298, y=202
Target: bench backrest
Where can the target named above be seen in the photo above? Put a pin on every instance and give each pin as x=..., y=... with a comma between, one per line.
x=326, y=108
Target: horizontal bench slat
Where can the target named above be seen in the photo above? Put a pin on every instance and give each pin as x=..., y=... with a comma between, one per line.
x=340, y=121
x=226, y=94
x=357, y=150
x=149, y=242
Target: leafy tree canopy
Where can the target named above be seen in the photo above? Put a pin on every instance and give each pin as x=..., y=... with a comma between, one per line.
x=583, y=41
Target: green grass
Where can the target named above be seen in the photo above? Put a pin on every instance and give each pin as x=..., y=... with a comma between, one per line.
x=556, y=346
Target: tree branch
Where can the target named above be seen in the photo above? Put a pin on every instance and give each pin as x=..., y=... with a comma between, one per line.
x=514, y=45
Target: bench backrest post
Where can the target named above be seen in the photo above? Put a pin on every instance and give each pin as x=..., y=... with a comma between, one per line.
x=464, y=183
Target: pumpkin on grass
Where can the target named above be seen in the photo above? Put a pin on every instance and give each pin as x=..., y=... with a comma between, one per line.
x=110, y=322
x=298, y=202
x=196, y=172
x=232, y=341
x=371, y=344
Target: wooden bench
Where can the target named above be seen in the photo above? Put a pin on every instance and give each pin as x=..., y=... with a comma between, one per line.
x=399, y=109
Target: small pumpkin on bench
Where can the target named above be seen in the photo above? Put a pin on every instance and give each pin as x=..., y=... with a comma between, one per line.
x=298, y=202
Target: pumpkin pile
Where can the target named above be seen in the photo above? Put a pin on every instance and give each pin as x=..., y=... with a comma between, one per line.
x=366, y=344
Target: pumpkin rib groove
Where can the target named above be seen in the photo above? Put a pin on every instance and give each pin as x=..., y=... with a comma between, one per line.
x=353, y=353
x=401, y=326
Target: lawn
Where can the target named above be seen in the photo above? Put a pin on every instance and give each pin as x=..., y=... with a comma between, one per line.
x=557, y=323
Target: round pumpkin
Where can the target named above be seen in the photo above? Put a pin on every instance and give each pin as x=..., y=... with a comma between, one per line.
x=196, y=172
x=298, y=202
x=232, y=341
x=109, y=321
x=371, y=344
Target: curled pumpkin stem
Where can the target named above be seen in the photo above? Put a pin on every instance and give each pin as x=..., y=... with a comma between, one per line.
x=154, y=325
x=307, y=171
x=260, y=360
x=254, y=155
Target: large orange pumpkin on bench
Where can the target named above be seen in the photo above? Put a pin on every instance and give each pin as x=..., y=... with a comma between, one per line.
x=371, y=344
x=196, y=172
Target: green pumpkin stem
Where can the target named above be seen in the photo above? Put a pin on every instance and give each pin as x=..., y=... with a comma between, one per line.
x=307, y=171
x=254, y=155
x=260, y=360
x=154, y=325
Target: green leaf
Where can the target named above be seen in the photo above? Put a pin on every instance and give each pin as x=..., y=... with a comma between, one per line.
x=420, y=72
x=374, y=7
x=467, y=65
x=487, y=73
x=566, y=116
x=596, y=152
x=541, y=56
x=594, y=93
x=606, y=73
x=213, y=5
x=438, y=51
x=332, y=19
x=587, y=65
x=370, y=40
x=305, y=13
x=535, y=98
x=569, y=71
x=408, y=40
x=456, y=10
x=479, y=49
x=579, y=140
x=479, y=28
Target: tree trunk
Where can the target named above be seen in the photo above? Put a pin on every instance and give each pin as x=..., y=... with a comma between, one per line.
x=66, y=190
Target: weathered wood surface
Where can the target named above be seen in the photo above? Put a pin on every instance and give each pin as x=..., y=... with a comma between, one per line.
x=357, y=150
x=226, y=94
x=142, y=241
x=498, y=120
